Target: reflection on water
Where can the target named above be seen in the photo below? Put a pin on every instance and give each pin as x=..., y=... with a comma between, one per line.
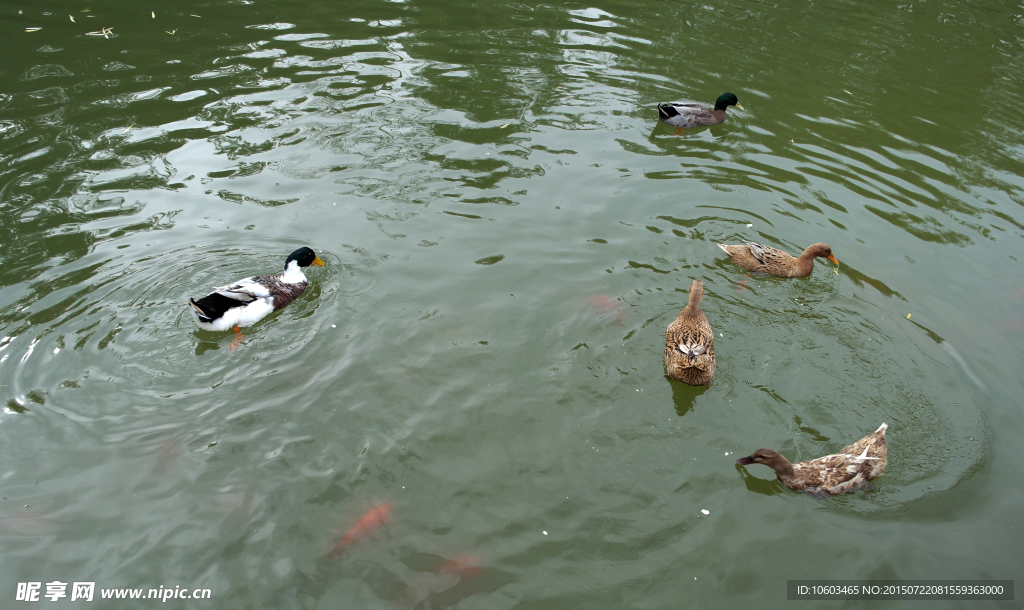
x=507, y=230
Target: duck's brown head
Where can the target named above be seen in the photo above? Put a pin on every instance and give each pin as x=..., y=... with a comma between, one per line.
x=768, y=457
x=819, y=249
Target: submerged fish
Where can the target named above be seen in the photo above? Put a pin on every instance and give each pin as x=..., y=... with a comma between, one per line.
x=466, y=566
x=607, y=305
x=370, y=522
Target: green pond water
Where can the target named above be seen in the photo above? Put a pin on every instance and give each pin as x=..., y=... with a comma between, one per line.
x=507, y=231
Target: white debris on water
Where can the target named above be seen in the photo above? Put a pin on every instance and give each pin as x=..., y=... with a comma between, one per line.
x=705, y=511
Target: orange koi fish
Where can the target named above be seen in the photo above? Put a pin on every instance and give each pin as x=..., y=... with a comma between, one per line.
x=466, y=566
x=606, y=305
x=364, y=527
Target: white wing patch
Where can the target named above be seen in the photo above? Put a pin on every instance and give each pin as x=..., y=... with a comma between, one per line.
x=691, y=350
x=244, y=290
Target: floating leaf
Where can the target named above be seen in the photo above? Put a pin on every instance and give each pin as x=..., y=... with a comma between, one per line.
x=32, y=29
x=172, y=31
x=194, y=15
x=847, y=91
x=908, y=316
x=129, y=128
x=505, y=125
x=836, y=270
x=153, y=14
x=71, y=18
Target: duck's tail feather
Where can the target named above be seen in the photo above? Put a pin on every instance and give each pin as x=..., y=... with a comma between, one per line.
x=667, y=111
x=203, y=317
x=213, y=306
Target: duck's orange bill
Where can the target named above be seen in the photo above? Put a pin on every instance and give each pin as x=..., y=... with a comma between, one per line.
x=320, y=263
x=831, y=257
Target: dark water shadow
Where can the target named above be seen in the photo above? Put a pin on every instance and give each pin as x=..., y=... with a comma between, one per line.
x=487, y=580
x=761, y=486
x=684, y=396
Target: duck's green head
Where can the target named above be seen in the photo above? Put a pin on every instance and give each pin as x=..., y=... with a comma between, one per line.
x=304, y=257
x=727, y=99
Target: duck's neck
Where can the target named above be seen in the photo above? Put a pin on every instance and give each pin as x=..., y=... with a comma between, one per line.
x=693, y=304
x=784, y=470
x=809, y=254
x=293, y=273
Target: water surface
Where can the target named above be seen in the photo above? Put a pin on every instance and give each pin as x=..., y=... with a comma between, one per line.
x=507, y=231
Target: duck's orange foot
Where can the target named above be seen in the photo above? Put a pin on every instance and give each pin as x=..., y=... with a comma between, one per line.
x=237, y=341
x=741, y=286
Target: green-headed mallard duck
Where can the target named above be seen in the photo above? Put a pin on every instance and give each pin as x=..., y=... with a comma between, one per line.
x=846, y=471
x=248, y=301
x=765, y=259
x=696, y=115
x=690, y=342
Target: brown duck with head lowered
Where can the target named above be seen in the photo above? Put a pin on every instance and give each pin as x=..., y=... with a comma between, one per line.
x=765, y=259
x=690, y=342
x=849, y=470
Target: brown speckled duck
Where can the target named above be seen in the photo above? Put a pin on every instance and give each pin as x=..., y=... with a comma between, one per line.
x=849, y=470
x=690, y=342
x=765, y=259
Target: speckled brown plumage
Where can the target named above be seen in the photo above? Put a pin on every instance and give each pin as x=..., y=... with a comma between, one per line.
x=849, y=470
x=690, y=342
x=765, y=259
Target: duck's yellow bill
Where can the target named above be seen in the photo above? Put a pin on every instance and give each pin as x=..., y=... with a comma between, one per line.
x=740, y=106
x=832, y=257
x=317, y=261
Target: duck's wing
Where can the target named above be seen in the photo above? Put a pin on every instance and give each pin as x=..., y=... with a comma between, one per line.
x=691, y=334
x=871, y=449
x=684, y=115
x=674, y=108
x=810, y=474
x=766, y=254
x=246, y=291
x=873, y=444
x=841, y=472
x=690, y=349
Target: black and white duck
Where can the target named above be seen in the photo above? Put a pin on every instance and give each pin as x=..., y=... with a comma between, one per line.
x=249, y=300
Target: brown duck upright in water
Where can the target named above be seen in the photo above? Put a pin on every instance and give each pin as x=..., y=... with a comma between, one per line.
x=849, y=470
x=765, y=259
x=690, y=343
